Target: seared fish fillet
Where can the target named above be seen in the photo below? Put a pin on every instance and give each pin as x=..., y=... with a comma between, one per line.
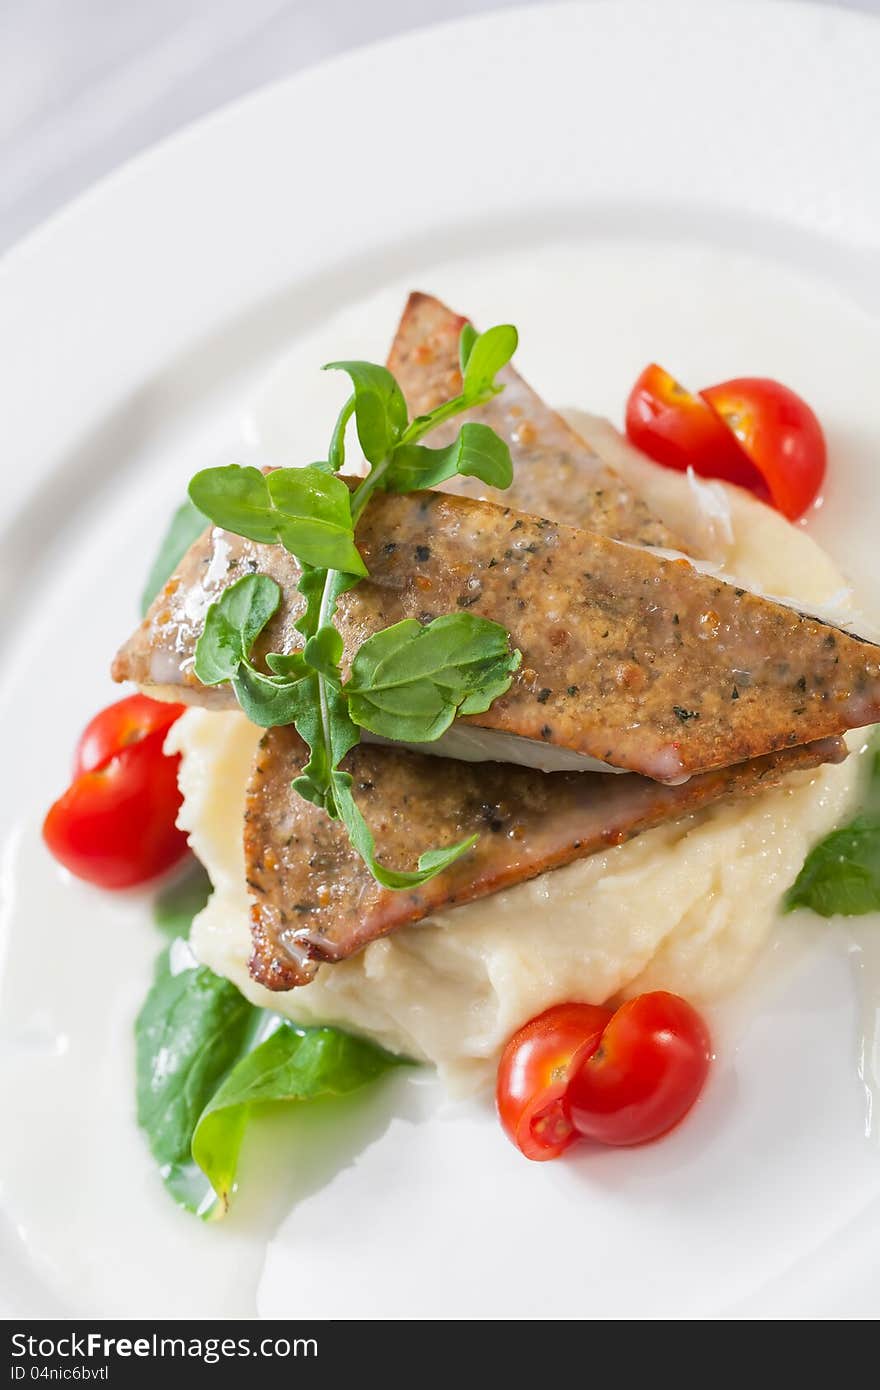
x=556, y=473
x=315, y=900
x=629, y=658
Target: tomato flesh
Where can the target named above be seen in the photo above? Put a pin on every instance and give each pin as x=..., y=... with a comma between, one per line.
x=119, y=726
x=534, y=1074
x=646, y=1074
x=681, y=430
x=622, y=1077
x=780, y=434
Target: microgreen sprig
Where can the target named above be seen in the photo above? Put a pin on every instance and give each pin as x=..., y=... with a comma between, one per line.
x=408, y=681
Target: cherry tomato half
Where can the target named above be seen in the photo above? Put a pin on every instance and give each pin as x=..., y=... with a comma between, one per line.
x=682, y=431
x=779, y=433
x=115, y=824
x=648, y=1070
x=119, y=726
x=535, y=1070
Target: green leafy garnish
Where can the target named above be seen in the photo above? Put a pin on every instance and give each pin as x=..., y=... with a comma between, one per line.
x=177, y=903
x=841, y=875
x=293, y=1063
x=232, y=626
x=477, y=452
x=379, y=409
x=486, y=354
x=192, y=1029
x=431, y=862
x=185, y=527
x=205, y=1057
x=307, y=510
x=465, y=344
x=408, y=682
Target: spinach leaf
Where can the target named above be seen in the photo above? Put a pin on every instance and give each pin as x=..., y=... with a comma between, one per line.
x=191, y=1030
x=204, y=1056
x=179, y=901
x=293, y=1063
x=841, y=875
x=185, y=527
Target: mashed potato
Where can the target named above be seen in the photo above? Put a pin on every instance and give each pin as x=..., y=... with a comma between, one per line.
x=685, y=907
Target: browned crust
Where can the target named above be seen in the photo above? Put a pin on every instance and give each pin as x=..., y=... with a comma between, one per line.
x=556, y=473
x=636, y=660
x=315, y=900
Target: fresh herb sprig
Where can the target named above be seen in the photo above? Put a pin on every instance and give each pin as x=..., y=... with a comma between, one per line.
x=409, y=681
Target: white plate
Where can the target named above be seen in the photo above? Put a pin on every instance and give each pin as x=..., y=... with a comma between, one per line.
x=706, y=168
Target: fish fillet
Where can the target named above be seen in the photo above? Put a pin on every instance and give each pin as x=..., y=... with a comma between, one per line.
x=556, y=473
x=638, y=661
x=315, y=900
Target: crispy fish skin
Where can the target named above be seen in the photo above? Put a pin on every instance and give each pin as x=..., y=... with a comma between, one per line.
x=315, y=900
x=556, y=473
x=639, y=661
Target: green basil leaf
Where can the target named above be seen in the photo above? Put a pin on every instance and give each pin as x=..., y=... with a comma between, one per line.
x=306, y=510
x=431, y=863
x=190, y=1031
x=477, y=452
x=379, y=409
x=178, y=902
x=466, y=342
x=292, y=1064
x=409, y=681
x=232, y=625
x=490, y=351
x=184, y=529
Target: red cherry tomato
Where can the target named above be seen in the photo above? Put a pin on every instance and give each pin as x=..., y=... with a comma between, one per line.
x=682, y=431
x=779, y=433
x=645, y=1075
x=115, y=824
x=535, y=1070
x=119, y=726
